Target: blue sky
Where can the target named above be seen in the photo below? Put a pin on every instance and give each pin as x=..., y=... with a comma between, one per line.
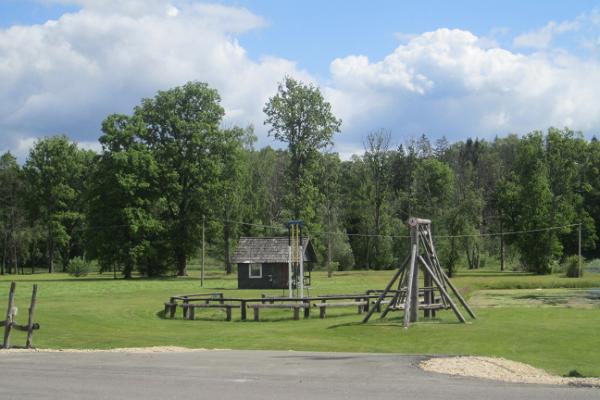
x=461, y=68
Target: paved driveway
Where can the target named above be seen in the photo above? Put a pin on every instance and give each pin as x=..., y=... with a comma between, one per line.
x=248, y=375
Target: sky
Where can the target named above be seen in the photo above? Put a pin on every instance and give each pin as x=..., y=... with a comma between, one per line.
x=456, y=69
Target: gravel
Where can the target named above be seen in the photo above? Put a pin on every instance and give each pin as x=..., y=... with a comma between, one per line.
x=502, y=370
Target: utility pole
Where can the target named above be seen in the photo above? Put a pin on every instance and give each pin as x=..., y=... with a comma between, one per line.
x=579, y=248
x=202, y=264
x=501, y=247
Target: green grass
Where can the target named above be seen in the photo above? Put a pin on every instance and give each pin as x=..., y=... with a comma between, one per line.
x=99, y=312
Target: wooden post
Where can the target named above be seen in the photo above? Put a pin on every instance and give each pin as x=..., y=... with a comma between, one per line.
x=428, y=293
x=202, y=263
x=185, y=308
x=9, y=316
x=411, y=270
x=307, y=308
x=256, y=317
x=228, y=313
x=443, y=291
x=30, y=320
x=414, y=282
x=243, y=310
x=296, y=313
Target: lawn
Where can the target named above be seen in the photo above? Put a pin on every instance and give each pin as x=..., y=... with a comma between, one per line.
x=99, y=312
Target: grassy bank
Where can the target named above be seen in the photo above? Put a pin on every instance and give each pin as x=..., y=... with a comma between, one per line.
x=99, y=312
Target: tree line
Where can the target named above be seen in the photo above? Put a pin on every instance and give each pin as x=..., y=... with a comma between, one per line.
x=169, y=169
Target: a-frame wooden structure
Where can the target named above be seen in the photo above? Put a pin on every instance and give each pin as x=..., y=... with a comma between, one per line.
x=407, y=296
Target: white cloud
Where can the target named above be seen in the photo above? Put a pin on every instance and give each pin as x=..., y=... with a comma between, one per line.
x=449, y=82
x=542, y=38
x=65, y=76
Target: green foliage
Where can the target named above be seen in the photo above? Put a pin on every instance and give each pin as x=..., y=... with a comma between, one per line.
x=571, y=267
x=299, y=116
x=56, y=174
x=78, y=267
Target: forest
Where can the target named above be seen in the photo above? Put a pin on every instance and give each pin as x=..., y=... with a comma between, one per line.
x=170, y=170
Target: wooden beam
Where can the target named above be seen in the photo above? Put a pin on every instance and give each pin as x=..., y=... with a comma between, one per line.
x=443, y=291
x=412, y=266
x=30, y=318
x=9, y=316
x=385, y=291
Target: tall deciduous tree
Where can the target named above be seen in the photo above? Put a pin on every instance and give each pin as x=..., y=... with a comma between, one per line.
x=299, y=116
x=181, y=130
x=124, y=203
x=55, y=173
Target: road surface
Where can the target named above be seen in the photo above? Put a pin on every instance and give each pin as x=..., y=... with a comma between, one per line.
x=248, y=375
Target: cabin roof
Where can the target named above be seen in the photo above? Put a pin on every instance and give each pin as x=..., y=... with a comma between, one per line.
x=268, y=250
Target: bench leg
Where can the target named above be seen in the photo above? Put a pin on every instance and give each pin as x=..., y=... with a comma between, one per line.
x=256, y=313
x=296, y=313
x=243, y=310
x=321, y=312
x=191, y=313
x=172, y=311
x=307, y=309
x=228, y=313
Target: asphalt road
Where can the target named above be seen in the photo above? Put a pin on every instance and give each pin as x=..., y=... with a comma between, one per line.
x=248, y=375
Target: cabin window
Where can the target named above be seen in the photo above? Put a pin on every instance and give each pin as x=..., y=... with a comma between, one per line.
x=255, y=271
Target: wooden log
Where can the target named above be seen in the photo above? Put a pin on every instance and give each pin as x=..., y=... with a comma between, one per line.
x=443, y=291
x=411, y=268
x=414, y=222
x=280, y=305
x=340, y=304
x=457, y=294
x=306, y=309
x=30, y=317
x=385, y=291
x=9, y=316
x=243, y=310
x=184, y=308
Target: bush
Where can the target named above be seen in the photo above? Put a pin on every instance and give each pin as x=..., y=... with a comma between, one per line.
x=571, y=267
x=78, y=267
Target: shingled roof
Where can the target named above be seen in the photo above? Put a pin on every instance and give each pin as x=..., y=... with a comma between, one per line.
x=268, y=250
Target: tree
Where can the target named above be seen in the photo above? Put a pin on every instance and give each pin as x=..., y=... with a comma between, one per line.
x=181, y=131
x=55, y=172
x=124, y=203
x=526, y=203
x=299, y=116
x=12, y=215
x=377, y=160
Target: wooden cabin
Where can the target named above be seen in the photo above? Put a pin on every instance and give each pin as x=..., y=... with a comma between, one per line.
x=263, y=262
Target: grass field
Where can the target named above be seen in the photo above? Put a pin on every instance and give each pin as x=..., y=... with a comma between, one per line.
x=99, y=312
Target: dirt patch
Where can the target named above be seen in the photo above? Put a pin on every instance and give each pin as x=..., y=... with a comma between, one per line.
x=155, y=349
x=563, y=298
x=502, y=370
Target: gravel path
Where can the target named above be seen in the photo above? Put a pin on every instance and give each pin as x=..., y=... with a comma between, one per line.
x=502, y=370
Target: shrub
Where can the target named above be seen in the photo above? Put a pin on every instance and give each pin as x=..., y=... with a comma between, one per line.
x=78, y=267
x=571, y=267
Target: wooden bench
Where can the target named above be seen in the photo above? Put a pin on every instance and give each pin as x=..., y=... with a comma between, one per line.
x=294, y=306
x=189, y=309
x=323, y=306
x=170, y=309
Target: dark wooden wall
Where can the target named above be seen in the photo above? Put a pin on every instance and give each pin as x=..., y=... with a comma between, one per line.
x=274, y=276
